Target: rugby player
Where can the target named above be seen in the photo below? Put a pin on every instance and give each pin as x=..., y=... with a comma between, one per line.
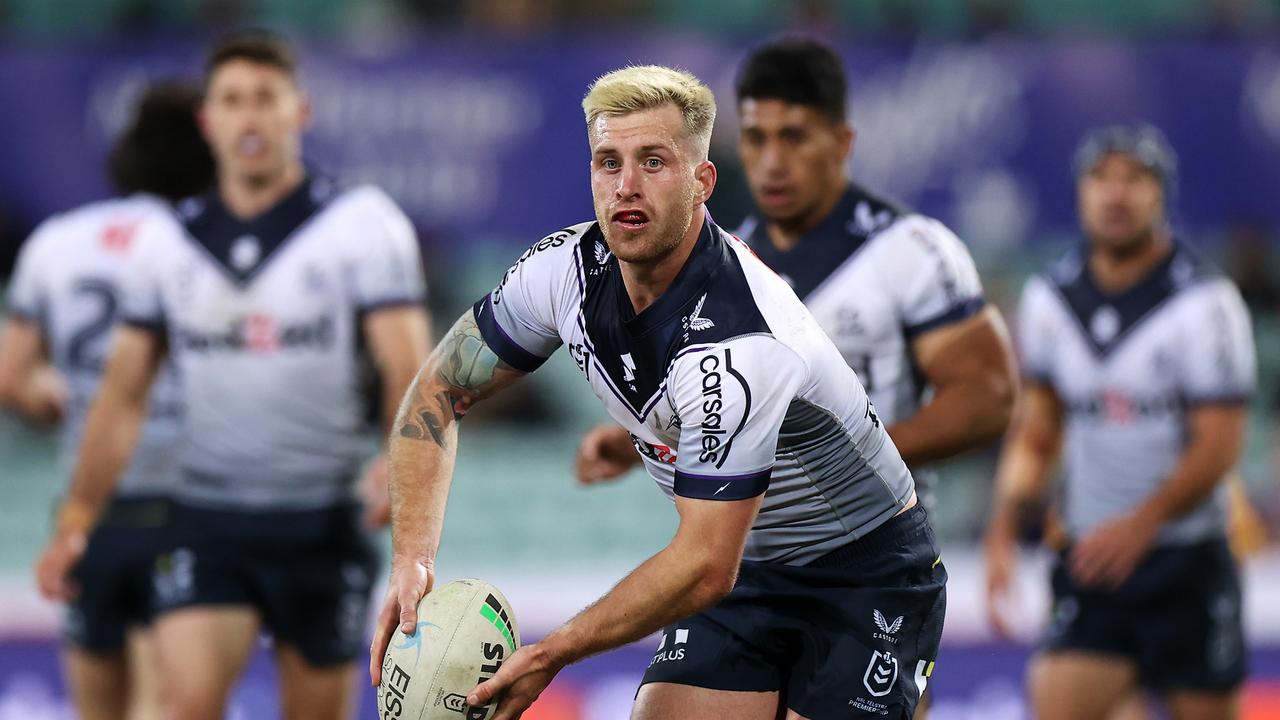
x=63, y=303
x=1139, y=362
x=791, y=495
x=260, y=292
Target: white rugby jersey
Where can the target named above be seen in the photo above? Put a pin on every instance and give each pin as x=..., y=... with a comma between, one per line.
x=1128, y=367
x=876, y=276
x=262, y=319
x=67, y=281
x=726, y=383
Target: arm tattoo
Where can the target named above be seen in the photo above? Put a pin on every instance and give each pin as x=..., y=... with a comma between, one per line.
x=467, y=363
x=464, y=363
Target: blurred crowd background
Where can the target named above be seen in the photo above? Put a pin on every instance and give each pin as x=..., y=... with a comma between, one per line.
x=466, y=112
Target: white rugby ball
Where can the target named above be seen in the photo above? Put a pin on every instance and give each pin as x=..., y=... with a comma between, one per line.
x=466, y=629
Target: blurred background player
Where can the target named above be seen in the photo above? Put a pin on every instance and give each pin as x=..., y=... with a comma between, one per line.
x=63, y=303
x=262, y=292
x=1139, y=361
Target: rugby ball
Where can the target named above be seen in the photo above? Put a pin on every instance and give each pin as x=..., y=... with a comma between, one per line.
x=465, y=631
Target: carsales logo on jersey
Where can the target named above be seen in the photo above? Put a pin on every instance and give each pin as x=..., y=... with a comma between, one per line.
x=259, y=333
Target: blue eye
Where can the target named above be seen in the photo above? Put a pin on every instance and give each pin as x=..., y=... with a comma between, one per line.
x=609, y=164
x=653, y=163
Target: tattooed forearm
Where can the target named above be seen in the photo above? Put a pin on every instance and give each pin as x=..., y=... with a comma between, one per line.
x=461, y=369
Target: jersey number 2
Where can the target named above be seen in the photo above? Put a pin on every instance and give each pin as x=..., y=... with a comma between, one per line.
x=80, y=349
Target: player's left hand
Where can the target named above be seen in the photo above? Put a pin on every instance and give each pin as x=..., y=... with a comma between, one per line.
x=519, y=682
x=1107, y=556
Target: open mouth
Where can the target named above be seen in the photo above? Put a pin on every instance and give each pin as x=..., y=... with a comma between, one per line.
x=631, y=219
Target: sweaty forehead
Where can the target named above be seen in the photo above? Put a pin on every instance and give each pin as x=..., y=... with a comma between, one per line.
x=662, y=126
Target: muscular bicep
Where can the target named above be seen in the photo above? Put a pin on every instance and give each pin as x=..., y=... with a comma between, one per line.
x=716, y=530
x=976, y=350
x=461, y=371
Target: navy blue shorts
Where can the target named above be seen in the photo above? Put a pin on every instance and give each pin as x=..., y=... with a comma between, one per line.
x=114, y=575
x=1177, y=617
x=309, y=574
x=853, y=634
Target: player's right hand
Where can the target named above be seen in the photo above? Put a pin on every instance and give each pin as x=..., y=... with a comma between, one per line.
x=1001, y=565
x=605, y=453
x=410, y=581
x=53, y=569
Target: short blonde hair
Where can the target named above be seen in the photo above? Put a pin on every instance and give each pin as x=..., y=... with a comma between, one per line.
x=645, y=87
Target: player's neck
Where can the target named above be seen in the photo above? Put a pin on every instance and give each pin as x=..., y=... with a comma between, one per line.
x=1115, y=272
x=645, y=283
x=246, y=198
x=786, y=234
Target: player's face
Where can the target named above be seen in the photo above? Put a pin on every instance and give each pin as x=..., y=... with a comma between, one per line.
x=253, y=116
x=794, y=157
x=647, y=179
x=1121, y=203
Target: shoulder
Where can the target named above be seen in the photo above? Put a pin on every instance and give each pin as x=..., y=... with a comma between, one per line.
x=559, y=247
x=919, y=242
x=365, y=200
x=554, y=257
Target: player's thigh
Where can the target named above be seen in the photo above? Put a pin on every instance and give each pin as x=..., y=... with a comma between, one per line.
x=144, y=675
x=1195, y=705
x=665, y=701
x=98, y=683
x=309, y=692
x=202, y=650
x=1074, y=685
x=922, y=708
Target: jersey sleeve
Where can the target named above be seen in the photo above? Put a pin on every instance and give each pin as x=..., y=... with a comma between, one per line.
x=388, y=268
x=1033, y=335
x=936, y=280
x=1219, y=360
x=731, y=400
x=26, y=297
x=141, y=303
x=519, y=320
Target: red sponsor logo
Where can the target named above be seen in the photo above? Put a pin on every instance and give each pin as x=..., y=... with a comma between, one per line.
x=118, y=236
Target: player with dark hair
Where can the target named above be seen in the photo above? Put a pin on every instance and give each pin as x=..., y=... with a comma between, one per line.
x=260, y=293
x=1139, y=362
x=63, y=302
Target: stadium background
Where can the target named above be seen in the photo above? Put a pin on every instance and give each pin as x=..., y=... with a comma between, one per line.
x=466, y=112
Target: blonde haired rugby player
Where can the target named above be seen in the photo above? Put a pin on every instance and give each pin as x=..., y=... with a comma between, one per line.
x=803, y=580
